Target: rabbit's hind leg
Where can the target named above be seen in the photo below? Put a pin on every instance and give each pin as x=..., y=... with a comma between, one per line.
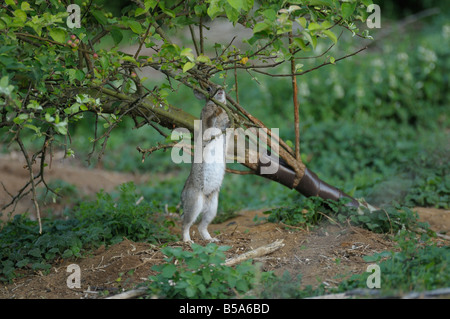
x=209, y=212
x=192, y=207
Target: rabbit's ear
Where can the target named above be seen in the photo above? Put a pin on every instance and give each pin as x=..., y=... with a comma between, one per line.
x=200, y=95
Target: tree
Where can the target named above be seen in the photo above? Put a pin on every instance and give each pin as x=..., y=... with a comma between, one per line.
x=52, y=72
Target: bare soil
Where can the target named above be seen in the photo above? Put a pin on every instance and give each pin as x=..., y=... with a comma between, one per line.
x=326, y=254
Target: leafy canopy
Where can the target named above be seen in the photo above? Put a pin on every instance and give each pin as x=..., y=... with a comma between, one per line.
x=42, y=60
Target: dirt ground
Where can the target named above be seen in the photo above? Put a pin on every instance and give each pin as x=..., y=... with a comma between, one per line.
x=322, y=255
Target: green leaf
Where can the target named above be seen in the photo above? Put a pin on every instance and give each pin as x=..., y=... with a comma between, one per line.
x=347, y=9
x=168, y=271
x=214, y=9
x=104, y=62
x=170, y=13
x=248, y=4
x=314, y=26
x=236, y=4
x=79, y=75
x=311, y=38
x=135, y=26
x=25, y=6
x=148, y=4
x=193, y=263
x=5, y=88
x=187, y=52
x=241, y=285
x=204, y=59
x=61, y=128
x=188, y=66
x=117, y=36
x=71, y=74
x=190, y=292
x=260, y=27
x=20, y=119
x=270, y=14
x=58, y=34
x=327, y=3
x=67, y=253
x=232, y=14
x=330, y=35
x=151, y=3
x=125, y=58
x=100, y=17
x=22, y=263
x=302, y=22
x=33, y=127
x=35, y=252
x=140, y=11
x=199, y=9
x=20, y=15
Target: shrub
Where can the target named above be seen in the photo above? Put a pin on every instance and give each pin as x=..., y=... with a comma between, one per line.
x=201, y=273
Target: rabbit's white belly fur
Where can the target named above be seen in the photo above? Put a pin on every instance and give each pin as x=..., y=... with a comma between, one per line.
x=213, y=165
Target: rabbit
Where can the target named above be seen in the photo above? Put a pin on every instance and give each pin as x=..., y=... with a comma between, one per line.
x=200, y=193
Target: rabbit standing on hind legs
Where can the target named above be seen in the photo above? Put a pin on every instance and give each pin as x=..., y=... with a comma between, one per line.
x=200, y=194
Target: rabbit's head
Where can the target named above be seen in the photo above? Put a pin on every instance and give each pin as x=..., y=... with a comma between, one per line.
x=216, y=92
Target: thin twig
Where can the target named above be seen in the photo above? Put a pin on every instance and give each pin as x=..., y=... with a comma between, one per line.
x=194, y=41
x=312, y=69
x=33, y=186
x=142, y=42
x=200, y=26
x=236, y=83
x=295, y=100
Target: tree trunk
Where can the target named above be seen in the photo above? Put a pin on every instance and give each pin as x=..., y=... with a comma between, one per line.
x=310, y=184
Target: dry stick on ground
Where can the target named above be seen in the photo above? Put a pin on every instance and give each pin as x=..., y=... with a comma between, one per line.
x=130, y=294
x=258, y=252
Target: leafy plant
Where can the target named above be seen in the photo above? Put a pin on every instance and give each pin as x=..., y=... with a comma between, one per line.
x=60, y=190
x=310, y=211
x=305, y=211
x=104, y=221
x=201, y=273
x=415, y=264
x=125, y=216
